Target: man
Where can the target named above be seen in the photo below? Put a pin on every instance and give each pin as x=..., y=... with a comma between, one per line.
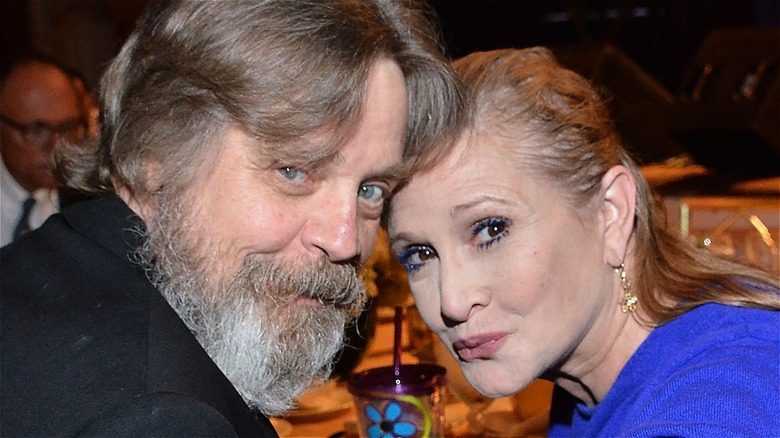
x=38, y=107
x=246, y=152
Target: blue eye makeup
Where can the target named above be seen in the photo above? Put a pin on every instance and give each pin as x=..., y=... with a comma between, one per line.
x=490, y=230
x=414, y=257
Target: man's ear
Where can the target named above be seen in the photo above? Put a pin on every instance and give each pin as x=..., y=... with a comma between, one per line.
x=140, y=203
x=618, y=198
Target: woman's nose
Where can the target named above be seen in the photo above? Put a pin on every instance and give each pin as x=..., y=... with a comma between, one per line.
x=461, y=292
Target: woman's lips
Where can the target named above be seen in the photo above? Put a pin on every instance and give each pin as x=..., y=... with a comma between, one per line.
x=478, y=347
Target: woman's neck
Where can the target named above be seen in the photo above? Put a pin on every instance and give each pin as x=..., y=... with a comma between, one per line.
x=590, y=372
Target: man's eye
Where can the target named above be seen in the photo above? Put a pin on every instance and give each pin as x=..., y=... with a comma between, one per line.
x=414, y=257
x=292, y=173
x=371, y=193
x=490, y=230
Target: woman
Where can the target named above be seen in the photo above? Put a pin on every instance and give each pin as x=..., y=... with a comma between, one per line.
x=536, y=249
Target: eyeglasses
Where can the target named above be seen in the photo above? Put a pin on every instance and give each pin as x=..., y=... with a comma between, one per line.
x=38, y=134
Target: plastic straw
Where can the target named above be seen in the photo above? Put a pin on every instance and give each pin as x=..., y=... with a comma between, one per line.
x=399, y=318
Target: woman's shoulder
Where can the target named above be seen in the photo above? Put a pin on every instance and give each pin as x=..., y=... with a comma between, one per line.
x=714, y=368
x=711, y=332
x=714, y=324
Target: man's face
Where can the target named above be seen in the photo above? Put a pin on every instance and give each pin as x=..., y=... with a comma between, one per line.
x=260, y=258
x=35, y=93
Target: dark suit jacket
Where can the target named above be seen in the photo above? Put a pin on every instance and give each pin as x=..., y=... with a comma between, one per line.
x=89, y=347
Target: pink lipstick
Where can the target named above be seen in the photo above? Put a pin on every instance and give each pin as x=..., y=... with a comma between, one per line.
x=478, y=347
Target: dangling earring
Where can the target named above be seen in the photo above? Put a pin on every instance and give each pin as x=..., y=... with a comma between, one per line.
x=629, y=301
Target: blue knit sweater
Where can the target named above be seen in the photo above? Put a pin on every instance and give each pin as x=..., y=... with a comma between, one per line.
x=712, y=372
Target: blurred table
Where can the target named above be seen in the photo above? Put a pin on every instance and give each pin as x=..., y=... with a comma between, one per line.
x=324, y=428
x=735, y=218
x=744, y=227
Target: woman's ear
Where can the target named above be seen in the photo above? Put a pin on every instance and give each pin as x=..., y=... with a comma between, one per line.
x=618, y=203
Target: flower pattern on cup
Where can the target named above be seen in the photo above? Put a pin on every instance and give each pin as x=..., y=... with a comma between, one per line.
x=387, y=425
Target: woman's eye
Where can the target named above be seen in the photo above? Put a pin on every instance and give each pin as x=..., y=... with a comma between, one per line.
x=292, y=173
x=414, y=257
x=371, y=193
x=490, y=230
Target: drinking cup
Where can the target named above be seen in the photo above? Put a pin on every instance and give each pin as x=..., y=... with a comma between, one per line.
x=404, y=404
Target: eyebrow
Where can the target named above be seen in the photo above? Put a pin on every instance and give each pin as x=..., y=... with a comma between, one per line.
x=481, y=199
x=395, y=171
x=400, y=237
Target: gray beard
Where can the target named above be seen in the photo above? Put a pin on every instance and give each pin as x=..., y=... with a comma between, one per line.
x=270, y=347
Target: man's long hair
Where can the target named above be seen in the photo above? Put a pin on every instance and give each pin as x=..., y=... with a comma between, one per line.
x=289, y=73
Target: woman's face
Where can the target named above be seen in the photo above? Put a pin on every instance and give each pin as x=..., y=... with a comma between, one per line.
x=511, y=279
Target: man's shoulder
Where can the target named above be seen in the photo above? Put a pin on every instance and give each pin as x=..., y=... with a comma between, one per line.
x=72, y=343
x=56, y=275
x=79, y=328
x=84, y=334
x=61, y=256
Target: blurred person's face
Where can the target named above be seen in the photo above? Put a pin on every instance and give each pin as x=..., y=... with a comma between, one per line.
x=260, y=258
x=34, y=98
x=512, y=280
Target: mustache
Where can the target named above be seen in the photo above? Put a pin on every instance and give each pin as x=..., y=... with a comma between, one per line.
x=334, y=285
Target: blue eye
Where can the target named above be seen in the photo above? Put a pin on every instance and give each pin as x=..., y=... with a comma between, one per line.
x=371, y=193
x=490, y=230
x=292, y=173
x=414, y=257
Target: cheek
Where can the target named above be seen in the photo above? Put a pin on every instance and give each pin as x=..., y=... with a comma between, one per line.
x=526, y=282
x=15, y=157
x=518, y=279
x=267, y=230
x=559, y=289
x=245, y=223
x=426, y=299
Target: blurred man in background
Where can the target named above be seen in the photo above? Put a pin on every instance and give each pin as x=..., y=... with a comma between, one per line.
x=39, y=106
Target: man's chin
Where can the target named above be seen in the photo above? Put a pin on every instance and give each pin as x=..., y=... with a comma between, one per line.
x=287, y=357
x=46, y=182
x=265, y=332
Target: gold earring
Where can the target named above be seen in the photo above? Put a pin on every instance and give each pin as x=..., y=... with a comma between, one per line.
x=629, y=301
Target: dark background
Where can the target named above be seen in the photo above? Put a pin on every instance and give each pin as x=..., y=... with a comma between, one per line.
x=662, y=36
x=641, y=51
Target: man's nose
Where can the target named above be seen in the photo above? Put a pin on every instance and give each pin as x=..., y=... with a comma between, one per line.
x=335, y=230
x=52, y=141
